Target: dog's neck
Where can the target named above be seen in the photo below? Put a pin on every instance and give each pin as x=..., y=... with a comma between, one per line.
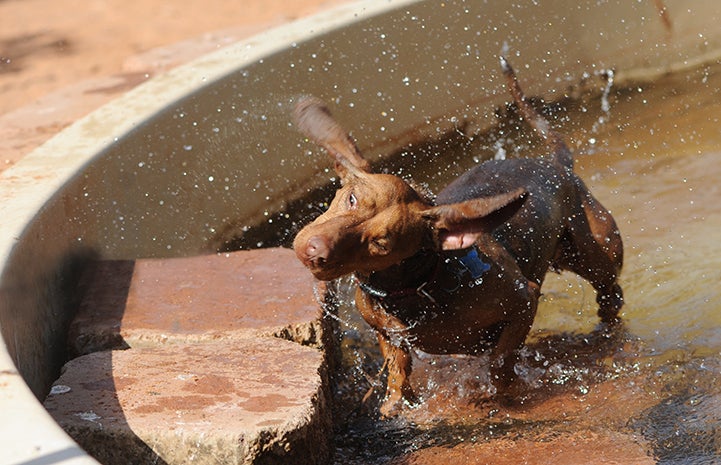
x=428, y=274
x=404, y=278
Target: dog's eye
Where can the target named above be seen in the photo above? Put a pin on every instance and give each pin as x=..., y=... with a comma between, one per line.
x=352, y=201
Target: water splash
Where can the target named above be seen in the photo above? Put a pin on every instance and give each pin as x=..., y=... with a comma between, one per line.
x=608, y=76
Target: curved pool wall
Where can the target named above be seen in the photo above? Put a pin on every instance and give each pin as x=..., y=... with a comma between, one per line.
x=177, y=164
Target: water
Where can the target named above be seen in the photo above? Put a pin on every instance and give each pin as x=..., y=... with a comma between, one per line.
x=651, y=153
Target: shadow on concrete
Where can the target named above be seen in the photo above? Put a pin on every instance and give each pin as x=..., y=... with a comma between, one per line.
x=95, y=418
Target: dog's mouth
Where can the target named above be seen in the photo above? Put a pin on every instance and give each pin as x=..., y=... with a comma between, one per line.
x=325, y=275
x=322, y=270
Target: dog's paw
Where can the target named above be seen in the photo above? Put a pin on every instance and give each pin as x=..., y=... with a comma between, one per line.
x=394, y=404
x=609, y=305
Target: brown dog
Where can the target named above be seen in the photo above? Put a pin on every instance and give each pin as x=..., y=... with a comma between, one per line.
x=465, y=274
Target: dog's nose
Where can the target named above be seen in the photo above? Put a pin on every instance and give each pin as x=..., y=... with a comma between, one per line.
x=316, y=249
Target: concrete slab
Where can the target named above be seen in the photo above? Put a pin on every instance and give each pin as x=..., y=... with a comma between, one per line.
x=259, y=400
x=259, y=292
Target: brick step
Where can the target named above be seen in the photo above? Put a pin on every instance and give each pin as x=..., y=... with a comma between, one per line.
x=204, y=375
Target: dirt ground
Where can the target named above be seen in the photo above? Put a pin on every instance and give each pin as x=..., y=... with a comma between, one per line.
x=54, y=53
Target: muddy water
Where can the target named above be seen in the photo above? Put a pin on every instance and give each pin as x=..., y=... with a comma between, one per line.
x=648, y=389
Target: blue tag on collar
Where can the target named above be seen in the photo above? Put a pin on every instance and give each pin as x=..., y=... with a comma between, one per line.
x=474, y=264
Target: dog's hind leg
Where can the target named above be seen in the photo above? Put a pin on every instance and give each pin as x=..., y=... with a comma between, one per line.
x=594, y=251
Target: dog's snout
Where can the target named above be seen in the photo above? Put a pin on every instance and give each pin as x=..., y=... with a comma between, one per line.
x=317, y=249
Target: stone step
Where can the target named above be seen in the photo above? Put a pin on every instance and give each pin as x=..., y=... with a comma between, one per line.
x=559, y=448
x=204, y=376
x=133, y=303
x=234, y=401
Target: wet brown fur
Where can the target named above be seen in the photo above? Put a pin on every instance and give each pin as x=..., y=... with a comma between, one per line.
x=523, y=216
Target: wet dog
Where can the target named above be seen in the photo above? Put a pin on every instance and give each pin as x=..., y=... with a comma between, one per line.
x=462, y=274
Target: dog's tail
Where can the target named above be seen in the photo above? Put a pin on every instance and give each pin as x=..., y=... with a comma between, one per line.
x=561, y=153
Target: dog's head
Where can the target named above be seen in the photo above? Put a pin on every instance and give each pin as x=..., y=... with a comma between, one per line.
x=377, y=220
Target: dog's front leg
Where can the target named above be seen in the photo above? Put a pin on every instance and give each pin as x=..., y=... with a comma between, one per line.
x=505, y=354
x=399, y=364
x=395, y=350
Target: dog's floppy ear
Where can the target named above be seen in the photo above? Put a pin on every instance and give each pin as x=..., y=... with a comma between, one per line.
x=459, y=225
x=314, y=119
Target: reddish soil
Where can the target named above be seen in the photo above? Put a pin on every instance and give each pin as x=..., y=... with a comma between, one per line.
x=51, y=53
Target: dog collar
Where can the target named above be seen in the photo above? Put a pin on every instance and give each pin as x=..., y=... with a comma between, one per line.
x=474, y=265
x=382, y=294
x=462, y=268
